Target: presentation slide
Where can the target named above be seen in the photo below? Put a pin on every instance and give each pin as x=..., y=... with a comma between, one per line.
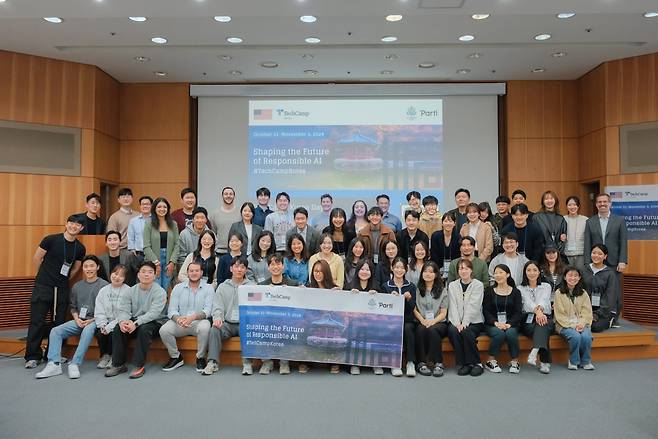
x=352, y=149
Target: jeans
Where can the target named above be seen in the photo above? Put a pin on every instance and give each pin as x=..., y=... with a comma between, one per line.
x=580, y=345
x=163, y=280
x=66, y=330
x=498, y=337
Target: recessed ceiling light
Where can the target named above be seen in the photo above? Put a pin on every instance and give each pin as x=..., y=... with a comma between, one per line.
x=475, y=55
x=542, y=37
x=463, y=71
x=466, y=38
x=53, y=19
x=426, y=65
x=311, y=72
x=389, y=39
x=142, y=58
x=312, y=40
x=538, y=70
x=269, y=64
x=565, y=15
x=386, y=72
x=2, y=1
x=391, y=56
x=480, y=16
x=160, y=73
x=558, y=54
x=235, y=72
x=234, y=40
x=222, y=18
x=308, y=56
x=159, y=40
x=138, y=19
x=650, y=14
x=225, y=57
x=394, y=17
x=308, y=18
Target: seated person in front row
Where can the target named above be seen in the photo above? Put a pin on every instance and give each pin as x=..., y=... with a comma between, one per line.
x=226, y=316
x=509, y=257
x=601, y=284
x=106, y=313
x=189, y=308
x=116, y=256
x=479, y=267
x=142, y=310
x=83, y=300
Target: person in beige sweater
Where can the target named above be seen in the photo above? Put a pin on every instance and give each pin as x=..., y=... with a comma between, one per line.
x=480, y=231
x=573, y=319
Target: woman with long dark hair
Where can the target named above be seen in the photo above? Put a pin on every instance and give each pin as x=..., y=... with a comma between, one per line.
x=161, y=241
x=358, y=218
x=246, y=227
x=601, y=284
x=538, y=323
x=340, y=230
x=356, y=252
x=204, y=255
x=295, y=263
x=264, y=246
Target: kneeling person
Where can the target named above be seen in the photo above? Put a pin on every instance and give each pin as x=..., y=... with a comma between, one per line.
x=226, y=315
x=189, y=308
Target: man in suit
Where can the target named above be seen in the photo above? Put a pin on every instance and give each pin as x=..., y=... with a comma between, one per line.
x=310, y=234
x=606, y=228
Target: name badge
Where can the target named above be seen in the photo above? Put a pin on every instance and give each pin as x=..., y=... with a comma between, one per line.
x=66, y=268
x=235, y=315
x=596, y=299
x=83, y=313
x=429, y=315
x=375, y=258
x=552, y=296
x=446, y=268
x=530, y=318
x=502, y=317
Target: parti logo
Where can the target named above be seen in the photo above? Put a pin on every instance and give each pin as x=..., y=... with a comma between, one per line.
x=411, y=113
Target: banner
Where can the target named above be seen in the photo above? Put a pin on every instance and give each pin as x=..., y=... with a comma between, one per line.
x=639, y=207
x=322, y=326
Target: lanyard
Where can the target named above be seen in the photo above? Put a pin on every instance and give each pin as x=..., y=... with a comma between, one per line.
x=496, y=303
x=75, y=245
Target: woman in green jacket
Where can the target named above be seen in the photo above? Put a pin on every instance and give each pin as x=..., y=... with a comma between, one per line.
x=161, y=241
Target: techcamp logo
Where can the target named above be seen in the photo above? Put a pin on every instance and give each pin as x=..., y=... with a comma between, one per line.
x=289, y=114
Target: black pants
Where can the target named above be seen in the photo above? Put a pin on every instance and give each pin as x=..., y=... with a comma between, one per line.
x=541, y=336
x=409, y=340
x=104, y=342
x=465, y=343
x=144, y=334
x=42, y=301
x=429, y=342
x=602, y=323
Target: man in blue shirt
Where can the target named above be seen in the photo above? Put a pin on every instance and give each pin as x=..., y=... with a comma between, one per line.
x=388, y=219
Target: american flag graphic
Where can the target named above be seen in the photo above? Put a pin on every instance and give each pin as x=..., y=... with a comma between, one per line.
x=262, y=114
x=254, y=297
x=616, y=195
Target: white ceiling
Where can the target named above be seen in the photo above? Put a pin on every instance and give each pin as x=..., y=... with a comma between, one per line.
x=98, y=32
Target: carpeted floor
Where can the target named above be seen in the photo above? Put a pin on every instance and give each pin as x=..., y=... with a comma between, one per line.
x=618, y=400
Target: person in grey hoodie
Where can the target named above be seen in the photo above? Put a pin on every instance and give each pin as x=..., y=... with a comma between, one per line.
x=281, y=221
x=189, y=237
x=226, y=315
x=141, y=313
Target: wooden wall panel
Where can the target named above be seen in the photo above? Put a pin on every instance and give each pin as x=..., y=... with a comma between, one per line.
x=544, y=159
x=154, y=161
x=631, y=90
x=154, y=111
x=591, y=99
x=46, y=91
x=106, y=104
x=534, y=189
x=592, y=155
x=107, y=158
x=18, y=245
x=171, y=191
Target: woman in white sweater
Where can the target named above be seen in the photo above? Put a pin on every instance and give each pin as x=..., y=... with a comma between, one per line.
x=538, y=321
x=575, y=245
x=106, y=309
x=466, y=321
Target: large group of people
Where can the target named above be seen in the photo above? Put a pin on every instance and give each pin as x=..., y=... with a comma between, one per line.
x=466, y=272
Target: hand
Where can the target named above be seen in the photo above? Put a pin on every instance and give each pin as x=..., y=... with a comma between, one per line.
x=79, y=322
x=507, y=325
x=541, y=319
x=500, y=326
x=217, y=323
x=395, y=293
x=373, y=292
x=354, y=290
x=170, y=269
x=131, y=326
x=336, y=288
x=563, y=237
x=87, y=322
x=123, y=325
x=621, y=267
x=157, y=269
x=460, y=327
x=407, y=295
x=580, y=327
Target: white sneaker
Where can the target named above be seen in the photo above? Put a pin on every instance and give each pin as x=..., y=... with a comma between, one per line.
x=492, y=366
x=104, y=362
x=284, y=367
x=74, y=371
x=396, y=372
x=31, y=364
x=514, y=367
x=589, y=366
x=545, y=368
x=411, y=369
x=50, y=370
x=266, y=367
x=571, y=366
x=210, y=368
x=355, y=370
x=247, y=369
x=378, y=370
x=532, y=358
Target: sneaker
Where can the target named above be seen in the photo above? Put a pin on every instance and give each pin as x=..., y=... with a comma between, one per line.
x=545, y=368
x=63, y=360
x=266, y=367
x=210, y=368
x=201, y=364
x=335, y=369
x=514, y=367
x=302, y=368
x=31, y=364
x=589, y=366
x=411, y=369
x=477, y=370
x=113, y=371
x=137, y=372
x=465, y=370
x=492, y=366
x=615, y=322
x=51, y=370
x=74, y=371
x=438, y=370
x=173, y=363
x=571, y=366
x=378, y=370
x=104, y=362
x=355, y=370
x=284, y=367
x=247, y=369
x=532, y=358
x=396, y=372
x=424, y=370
